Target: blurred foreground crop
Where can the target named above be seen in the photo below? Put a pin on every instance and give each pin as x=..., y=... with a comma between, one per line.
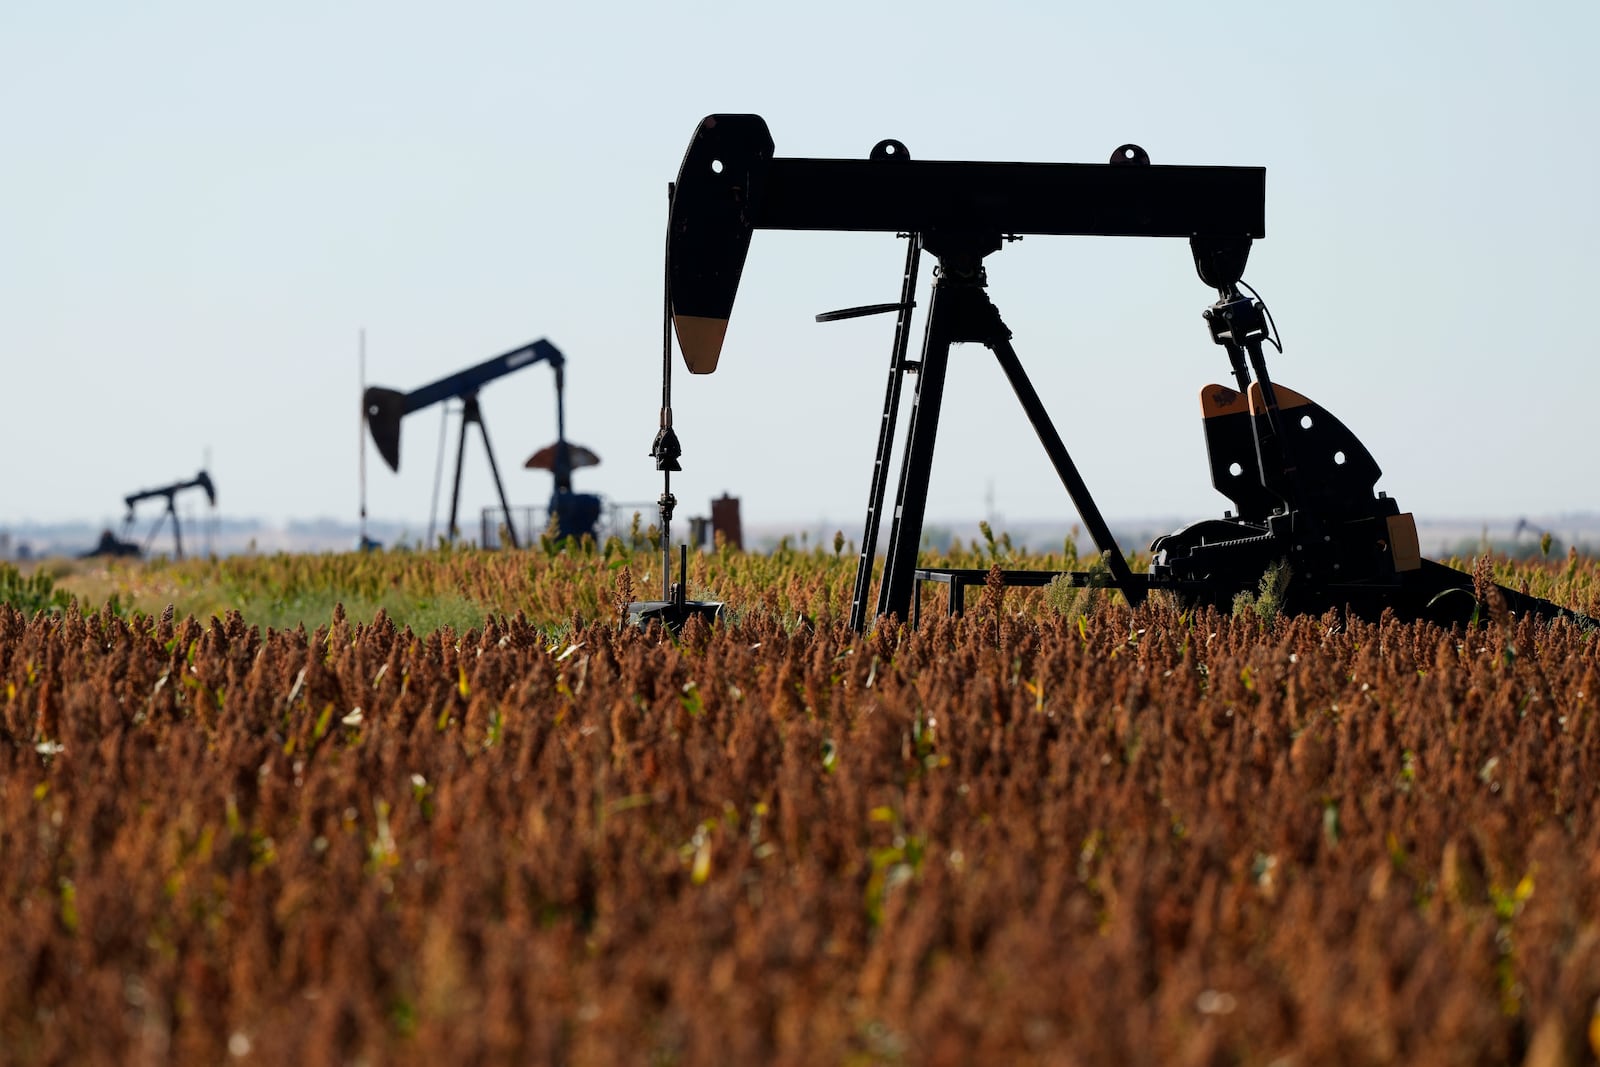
x=1017, y=837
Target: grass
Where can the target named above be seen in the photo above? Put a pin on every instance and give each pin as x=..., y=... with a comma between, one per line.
x=552, y=582
x=1138, y=836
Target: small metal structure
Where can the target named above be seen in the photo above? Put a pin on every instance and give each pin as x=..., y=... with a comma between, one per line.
x=674, y=608
x=723, y=526
x=113, y=546
x=1302, y=485
x=616, y=520
x=576, y=513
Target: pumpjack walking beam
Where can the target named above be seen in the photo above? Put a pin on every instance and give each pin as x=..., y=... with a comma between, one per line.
x=731, y=184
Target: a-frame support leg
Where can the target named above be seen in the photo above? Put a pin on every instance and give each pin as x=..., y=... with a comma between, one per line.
x=177, y=530
x=961, y=311
x=472, y=413
x=494, y=469
x=1066, y=470
x=911, y=500
x=468, y=413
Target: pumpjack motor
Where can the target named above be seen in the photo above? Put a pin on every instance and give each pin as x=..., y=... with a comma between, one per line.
x=1303, y=487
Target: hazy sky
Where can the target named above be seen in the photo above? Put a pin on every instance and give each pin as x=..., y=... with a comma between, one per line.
x=201, y=204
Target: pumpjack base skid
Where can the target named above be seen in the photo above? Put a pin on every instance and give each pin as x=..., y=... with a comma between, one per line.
x=1345, y=548
x=673, y=614
x=675, y=611
x=1435, y=593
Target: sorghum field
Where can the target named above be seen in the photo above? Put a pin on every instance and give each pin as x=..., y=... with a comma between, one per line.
x=468, y=817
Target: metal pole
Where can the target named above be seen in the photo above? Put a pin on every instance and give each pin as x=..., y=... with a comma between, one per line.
x=361, y=430
x=563, y=463
x=667, y=501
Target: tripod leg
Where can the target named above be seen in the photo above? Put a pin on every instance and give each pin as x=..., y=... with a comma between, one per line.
x=469, y=413
x=150, y=538
x=911, y=502
x=1066, y=470
x=494, y=469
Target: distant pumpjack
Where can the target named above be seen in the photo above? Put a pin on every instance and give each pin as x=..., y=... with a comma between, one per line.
x=576, y=513
x=110, y=545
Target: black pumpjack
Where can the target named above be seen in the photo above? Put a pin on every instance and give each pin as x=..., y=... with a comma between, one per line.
x=1302, y=485
x=113, y=545
x=575, y=514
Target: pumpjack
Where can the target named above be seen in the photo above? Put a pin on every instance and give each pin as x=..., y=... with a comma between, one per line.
x=1303, y=487
x=112, y=545
x=575, y=513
